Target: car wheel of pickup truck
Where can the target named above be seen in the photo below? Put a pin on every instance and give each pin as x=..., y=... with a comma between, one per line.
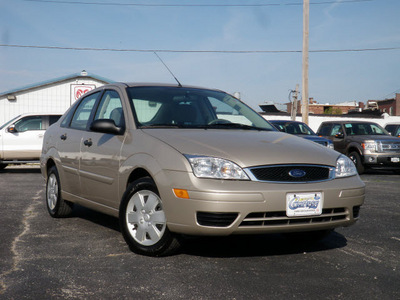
x=56, y=205
x=356, y=158
x=143, y=222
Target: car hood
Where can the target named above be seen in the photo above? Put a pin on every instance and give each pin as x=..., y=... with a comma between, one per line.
x=246, y=148
x=383, y=138
x=314, y=138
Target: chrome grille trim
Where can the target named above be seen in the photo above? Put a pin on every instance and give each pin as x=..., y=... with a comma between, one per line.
x=389, y=147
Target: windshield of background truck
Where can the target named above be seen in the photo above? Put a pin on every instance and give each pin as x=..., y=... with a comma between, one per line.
x=179, y=107
x=9, y=122
x=364, y=129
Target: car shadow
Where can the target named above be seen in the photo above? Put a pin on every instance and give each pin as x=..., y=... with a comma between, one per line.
x=230, y=246
x=258, y=245
x=20, y=170
x=381, y=172
x=95, y=217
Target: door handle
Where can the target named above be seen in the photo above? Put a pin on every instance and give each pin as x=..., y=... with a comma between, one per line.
x=63, y=137
x=88, y=142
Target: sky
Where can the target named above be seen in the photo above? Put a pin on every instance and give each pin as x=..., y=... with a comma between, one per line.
x=197, y=39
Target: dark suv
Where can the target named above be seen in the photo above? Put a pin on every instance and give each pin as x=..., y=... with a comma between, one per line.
x=367, y=144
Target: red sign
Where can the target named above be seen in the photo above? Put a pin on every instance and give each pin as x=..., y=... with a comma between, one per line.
x=81, y=89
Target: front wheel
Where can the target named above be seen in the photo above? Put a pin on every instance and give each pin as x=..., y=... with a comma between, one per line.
x=356, y=158
x=56, y=205
x=143, y=221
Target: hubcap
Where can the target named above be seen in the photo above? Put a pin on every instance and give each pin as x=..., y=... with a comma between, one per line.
x=145, y=218
x=52, y=191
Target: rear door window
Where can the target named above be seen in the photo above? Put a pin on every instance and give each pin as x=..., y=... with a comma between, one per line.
x=83, y=112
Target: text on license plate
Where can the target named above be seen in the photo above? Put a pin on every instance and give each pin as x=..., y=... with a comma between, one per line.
x=304, y=204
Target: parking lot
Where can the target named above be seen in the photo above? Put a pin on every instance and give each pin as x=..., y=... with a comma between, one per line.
x=85, y=256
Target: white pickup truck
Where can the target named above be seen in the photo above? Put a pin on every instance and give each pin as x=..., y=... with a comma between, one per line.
x=21, y=138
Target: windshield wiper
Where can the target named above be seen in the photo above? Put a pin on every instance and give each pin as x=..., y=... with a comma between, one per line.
x=159, y=126
x=235, y=126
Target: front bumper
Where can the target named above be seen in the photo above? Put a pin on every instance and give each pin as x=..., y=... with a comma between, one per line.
x=382, y=161
x=218, y=207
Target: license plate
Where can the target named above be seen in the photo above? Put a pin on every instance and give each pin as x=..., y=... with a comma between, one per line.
x=304, y=204
x=395, y=159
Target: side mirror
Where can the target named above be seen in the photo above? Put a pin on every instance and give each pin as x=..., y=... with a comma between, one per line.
x=106, y=126
x=340, y=135
x=12, y=129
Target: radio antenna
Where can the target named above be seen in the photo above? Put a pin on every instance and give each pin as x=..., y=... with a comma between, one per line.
x=179, y=84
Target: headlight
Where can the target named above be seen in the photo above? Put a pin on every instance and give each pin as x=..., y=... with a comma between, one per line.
x=345, y=167
x=371, y=146
x=218, y=168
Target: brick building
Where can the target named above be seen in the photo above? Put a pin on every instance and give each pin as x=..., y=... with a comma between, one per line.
x=319, y=109
x=389, y=106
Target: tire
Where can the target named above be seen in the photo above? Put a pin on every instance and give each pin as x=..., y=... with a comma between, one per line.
x=143, y=221
x=356, y=158
x=3, y=166
x=56, y=206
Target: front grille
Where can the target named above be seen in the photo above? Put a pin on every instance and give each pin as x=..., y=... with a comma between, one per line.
x=279, y=218
x=212, y=219
x=390, y=147
x=281, y=173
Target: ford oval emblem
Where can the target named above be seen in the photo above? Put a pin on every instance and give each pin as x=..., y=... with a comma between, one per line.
x=297, y=173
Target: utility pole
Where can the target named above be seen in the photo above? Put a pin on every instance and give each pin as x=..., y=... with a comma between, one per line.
x=294, y=103
x=304, y=106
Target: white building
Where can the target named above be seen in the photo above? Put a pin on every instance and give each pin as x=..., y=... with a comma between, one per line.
x=54, y=95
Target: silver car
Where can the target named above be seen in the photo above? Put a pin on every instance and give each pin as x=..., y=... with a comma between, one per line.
x=173, y=160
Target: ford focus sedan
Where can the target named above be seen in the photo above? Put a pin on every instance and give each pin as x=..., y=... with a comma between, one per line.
x=173, y=160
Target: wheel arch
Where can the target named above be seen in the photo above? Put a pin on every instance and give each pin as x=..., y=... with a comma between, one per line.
x=136, y=174
x=354, y=148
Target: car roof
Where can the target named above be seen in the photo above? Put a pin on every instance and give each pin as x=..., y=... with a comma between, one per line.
x=348, y=121
x=155, y=84
x=285, y=121
x=41, y=114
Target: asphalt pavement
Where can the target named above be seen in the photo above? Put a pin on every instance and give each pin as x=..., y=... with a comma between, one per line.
x=85, y=257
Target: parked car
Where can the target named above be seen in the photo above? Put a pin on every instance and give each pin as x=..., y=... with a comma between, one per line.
x=393, y=129
x=177, y=160
x=300, y=129
x=367, y=144
x=21, y=138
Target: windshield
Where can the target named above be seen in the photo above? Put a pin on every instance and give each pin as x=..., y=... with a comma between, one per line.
x=293, y=127
x=180, y=107
x=9, y=122
x=364, y=129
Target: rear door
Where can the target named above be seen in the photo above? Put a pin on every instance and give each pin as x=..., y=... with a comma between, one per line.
x=70, y=141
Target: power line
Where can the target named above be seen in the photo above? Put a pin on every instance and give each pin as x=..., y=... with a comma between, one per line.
x=197, y=51
x=192, y=4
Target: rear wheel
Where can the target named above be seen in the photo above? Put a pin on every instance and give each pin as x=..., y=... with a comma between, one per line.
x=143, y=221
x=356, y=158
x=2, y=166
x=56, y=205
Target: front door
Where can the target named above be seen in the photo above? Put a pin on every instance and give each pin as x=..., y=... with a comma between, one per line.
x=23, y=140
x=100, y=157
